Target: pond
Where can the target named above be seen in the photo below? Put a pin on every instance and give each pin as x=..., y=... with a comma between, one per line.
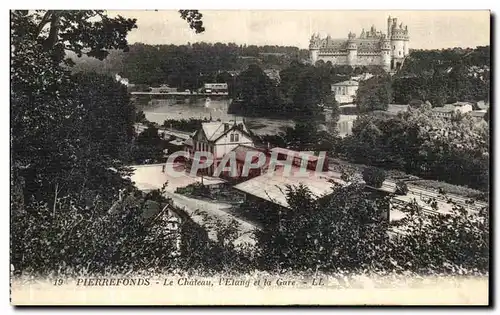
x=159, y=110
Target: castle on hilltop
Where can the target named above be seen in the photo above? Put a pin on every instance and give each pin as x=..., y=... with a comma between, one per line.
x=370, y=48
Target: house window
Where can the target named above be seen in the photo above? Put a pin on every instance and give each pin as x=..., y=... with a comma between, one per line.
x=400, y=53
x=234, y=137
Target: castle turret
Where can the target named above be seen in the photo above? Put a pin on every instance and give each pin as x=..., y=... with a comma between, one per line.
x=352, y=50
x=389, y=26
x=398, y=38
x=406, y=44
x=314, y=46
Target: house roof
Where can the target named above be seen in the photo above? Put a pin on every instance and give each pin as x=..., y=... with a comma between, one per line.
x=444, y=109
x=478, y=113
x=288, y=152
x=483, y=105
x=460, y=104
x=273, y=186
x=177, y=142
x=241, y=152
x=348, y=106
x=396, y=108
x=347, y=83
x=215, y=130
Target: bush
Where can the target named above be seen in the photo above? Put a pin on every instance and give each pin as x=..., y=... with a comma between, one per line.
x=401, y=188
x=195, y=189
x=374, y=176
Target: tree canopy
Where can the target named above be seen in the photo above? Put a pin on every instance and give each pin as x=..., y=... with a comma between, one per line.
x=454, y=151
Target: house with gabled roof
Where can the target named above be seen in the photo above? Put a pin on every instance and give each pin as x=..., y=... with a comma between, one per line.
x=218, y=138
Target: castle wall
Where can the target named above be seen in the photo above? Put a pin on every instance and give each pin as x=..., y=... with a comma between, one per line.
x=370, y=48
x=368, y=60
x=360, y=60
x=336, y=59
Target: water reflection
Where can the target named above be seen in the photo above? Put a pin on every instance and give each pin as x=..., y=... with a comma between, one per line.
x=159, y=110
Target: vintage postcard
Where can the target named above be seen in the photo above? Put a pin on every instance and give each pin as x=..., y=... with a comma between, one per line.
x=202, y=157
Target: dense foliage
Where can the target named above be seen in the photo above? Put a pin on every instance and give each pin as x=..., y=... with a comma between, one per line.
x=148, y=147
x=374, y=94
x=345, y=232
x=374, y=176
x=302, y=93
x=444, y=76
x=401, y=188
x=455, y=151
x=72, y=207
x=188, y=66
x=257, y=95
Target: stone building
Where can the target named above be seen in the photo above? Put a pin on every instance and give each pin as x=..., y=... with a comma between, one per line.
x=371, y=48
x=448, y=110
x=345, y=91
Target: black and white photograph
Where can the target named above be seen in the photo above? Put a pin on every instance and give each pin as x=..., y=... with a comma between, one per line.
x=250, y=157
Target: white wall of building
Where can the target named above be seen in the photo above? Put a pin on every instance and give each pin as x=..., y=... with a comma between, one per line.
x=344, y=93
x=224, y=144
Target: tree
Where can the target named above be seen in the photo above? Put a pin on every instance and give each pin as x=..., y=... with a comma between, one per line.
x=333, y=105
x=308, y=95
x=77, y=31
x=148, y=147
x=319, y=236
x=257, y=93
x=419, y=143
x=401, y=188
x=374, y=176
x=194, y=18
x=444, y=76
x=303, y=136
x=346, y=232
x=70, y=133
x=374, y=94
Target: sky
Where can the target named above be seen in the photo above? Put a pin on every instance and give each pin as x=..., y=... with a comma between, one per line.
x=427, y=29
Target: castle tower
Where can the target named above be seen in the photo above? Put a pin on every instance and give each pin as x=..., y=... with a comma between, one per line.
x=314, y=46
x=385, y=54
x=406, y=45
x=352, y=50
x=397, y=40
x=389, y=26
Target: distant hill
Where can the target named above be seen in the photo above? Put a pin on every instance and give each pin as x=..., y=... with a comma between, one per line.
x=182, y=65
